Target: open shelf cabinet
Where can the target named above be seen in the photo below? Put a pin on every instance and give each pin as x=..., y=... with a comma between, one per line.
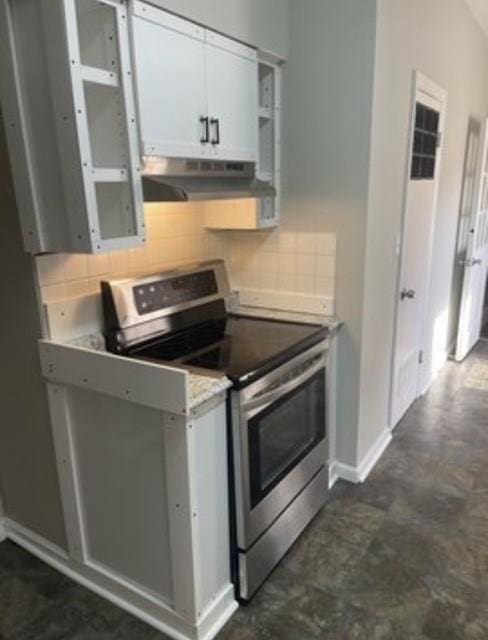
x=269, y=165
x=76, y=125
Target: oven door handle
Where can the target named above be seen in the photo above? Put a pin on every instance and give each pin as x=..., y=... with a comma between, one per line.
x=262, y=401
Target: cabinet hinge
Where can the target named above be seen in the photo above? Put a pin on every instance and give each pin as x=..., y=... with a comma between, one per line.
x=421, y=357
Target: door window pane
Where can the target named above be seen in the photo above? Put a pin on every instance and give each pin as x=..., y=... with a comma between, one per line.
x=424, y=143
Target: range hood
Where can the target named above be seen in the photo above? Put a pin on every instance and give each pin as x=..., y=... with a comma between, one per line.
x=175, y=180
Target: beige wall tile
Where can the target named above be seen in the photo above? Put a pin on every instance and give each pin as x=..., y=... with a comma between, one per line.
x=75, y=266
x=53, y=292
x=306, y=243
x=268, y=263
x=50, y=269
x=287, y=242
x=280, y=259
x=98, y=265
x=305, y=265
x=119, y=262
x=76, y=288
x=305, y=284
x=287, y=263
x=325, y=266
x=285, y=282
x=326, y=244
x=325, y=286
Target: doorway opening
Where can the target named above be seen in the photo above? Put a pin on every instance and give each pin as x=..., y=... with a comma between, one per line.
x=467, y=206
x=472, y=261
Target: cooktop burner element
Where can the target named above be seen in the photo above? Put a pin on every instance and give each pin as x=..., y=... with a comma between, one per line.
x=241, y=347
x=180, y=317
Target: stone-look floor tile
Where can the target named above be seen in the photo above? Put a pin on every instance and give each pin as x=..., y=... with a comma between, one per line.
x=448, y=621
x=55, y=623
x=390, y=590
x=288, y=609
x=18, y=562
x=424, y=509
x=355, y=525
x=374, y=492
x=333, y=545
x=323, y=565
x=102, y=616
x=20, y=602
x=416, y=468
x=128, y=629
x=411, y=548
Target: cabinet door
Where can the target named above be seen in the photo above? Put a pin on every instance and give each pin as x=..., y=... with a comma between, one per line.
x=170, y=78
x=232, y=93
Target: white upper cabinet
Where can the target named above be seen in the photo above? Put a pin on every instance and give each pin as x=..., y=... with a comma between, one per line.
x=232, y=90
x=170, y=74
x=69, y=105
x=87, y=87
x=197, y=90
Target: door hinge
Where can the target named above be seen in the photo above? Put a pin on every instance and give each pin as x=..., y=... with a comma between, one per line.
x=421, y=357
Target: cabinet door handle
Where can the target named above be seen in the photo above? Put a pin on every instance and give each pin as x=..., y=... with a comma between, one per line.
x=215, y=122
x=408, y=294
x=205, y=139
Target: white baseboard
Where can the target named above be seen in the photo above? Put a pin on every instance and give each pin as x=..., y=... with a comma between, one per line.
x=333, y=475
x=157, y=615
x=359, y=473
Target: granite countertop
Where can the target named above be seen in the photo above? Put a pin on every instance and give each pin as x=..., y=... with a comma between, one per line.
x=201, y=387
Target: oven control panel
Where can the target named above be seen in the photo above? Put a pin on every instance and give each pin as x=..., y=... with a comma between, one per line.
x=172, y=292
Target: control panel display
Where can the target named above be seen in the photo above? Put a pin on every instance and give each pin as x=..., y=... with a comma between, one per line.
x=162, y=294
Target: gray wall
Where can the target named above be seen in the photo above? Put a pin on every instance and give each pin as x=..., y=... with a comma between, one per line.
x=261, y=23
x=441, y=39
x=328, y=84
x=28, y=475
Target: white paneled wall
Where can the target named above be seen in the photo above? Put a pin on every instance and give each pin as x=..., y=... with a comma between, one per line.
x=175, y=233
x=294, y=262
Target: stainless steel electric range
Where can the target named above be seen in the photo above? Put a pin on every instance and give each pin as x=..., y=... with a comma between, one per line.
x=277, y=405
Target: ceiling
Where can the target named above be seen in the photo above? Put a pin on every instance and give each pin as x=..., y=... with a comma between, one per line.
x=480, y=10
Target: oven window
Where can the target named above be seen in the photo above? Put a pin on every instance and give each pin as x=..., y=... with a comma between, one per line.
x=284, y=433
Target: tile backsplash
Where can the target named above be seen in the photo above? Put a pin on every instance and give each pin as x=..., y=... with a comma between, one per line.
x=285, y=261
x=175, y=235
x=274, y=260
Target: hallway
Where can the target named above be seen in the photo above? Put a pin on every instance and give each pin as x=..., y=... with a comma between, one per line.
x=403, y=557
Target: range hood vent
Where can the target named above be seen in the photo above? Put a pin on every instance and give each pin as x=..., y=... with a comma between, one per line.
x=174, y=180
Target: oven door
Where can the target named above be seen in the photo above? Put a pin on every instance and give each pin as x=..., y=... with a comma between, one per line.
x=279, y=440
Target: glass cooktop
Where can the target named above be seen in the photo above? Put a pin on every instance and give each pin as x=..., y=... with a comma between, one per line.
x=242, y=347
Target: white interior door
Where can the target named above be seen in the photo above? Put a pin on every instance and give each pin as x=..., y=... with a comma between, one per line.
x=475, y=267
x=416, y=248
x=170, y=76
x=232, y=86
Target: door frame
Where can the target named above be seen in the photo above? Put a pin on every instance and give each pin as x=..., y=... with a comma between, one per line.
x=420, y=84
x=480, y=186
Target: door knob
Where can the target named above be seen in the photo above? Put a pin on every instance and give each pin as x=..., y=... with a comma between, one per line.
x=407, y=293
x=477, y=261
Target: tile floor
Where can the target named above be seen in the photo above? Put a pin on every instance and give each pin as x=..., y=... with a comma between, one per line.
x=402, y=557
